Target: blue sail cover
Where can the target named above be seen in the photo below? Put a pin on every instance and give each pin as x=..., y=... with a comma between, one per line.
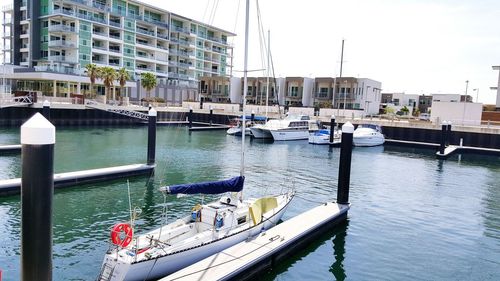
x=214, y=187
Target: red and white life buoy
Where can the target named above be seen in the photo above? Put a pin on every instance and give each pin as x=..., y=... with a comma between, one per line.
x=117, y=230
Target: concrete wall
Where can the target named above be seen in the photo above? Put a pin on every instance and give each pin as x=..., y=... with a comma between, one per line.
x=463, y=113
x=307, y=93
x=235, y=95
x=328, y=112
x=301, y=110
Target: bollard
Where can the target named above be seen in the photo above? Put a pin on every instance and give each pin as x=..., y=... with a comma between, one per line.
x=46, y=109
x=151, y=136
x=444, y=128
x=461, y=142
x=38, y=137
x=345, y=164
x=252, y=117
x=190, y=117
x=201, y=102
x=211, y=115
x=448, y=134
x=332, y=128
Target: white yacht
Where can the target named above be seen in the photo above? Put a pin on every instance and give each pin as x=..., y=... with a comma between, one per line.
x=368, y=135
x=293, y=127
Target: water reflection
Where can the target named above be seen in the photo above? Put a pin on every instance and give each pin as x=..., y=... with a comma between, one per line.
x=337, y=267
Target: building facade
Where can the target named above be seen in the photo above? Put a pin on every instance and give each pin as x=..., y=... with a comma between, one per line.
x=61, y=37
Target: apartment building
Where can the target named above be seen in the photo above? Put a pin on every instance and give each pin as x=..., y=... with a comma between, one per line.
x=53, y=40
x=298, y=91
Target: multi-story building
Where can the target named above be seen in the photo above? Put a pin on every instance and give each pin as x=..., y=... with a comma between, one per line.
x=298, y=91
x=60, y=37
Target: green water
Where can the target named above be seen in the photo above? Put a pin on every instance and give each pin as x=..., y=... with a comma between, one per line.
x=412, y=218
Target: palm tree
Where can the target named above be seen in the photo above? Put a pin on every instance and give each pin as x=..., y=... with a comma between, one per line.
x=122, y=77
x=148, y=82
x=108, y=76
x=92, y=71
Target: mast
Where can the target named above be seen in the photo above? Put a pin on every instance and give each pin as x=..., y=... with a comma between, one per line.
x=268, y=68
x=245, y=90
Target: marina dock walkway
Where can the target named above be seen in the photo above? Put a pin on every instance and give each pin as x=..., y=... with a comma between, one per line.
x=10, y=148
x=242, y=261
x=13, y=186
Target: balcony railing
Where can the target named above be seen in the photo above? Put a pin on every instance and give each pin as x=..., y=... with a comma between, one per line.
x=344, y=95
x=62, y=59
x=65, y=70
x=114, y=23
x=146, y=32
x=62, y=43
x=164, y=36
x=114, y=50
x=180, y=29
x=61, y=28
x=115, y=36
x=100, y=6
x=99, y=33
x=134, y=16
x=100, y=47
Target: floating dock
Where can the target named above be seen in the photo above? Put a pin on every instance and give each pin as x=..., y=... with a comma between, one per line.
x=245, y=260
x=451, y=149
x=10, y=148
x=208, y=127
x=412, y=143
x=13, y=186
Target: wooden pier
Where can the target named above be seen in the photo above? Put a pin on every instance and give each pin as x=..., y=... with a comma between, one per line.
x=12, y=186
x=245, y=260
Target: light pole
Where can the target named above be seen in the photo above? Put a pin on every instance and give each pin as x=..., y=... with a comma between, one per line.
x=466, y=87
x=477, y=93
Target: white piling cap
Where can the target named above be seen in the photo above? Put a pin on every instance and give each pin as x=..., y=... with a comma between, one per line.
x=190, y=107
x=152, y=112
x=348, y=128
x=46, y=103
x=253, y=111
x=444, y=123
x=38, y=130
x=210, y=107
x=333, y=116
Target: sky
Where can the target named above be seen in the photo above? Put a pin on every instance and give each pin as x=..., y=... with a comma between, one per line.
x=411, y=46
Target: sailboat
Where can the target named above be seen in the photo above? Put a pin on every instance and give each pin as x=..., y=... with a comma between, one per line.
x=209, y=228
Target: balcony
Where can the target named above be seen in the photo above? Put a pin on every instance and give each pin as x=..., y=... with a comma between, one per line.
x=99, y=6
x=134, y=16
x=163, y=36
x=146, y=32
x=114, y=23
x=180, y=29
x=7, y=21
x=155, y=21
x=62, y=44
x=62, y=69
x=115, y=36
x=62, y=28
x=99, y=33
x=24, y=3
x=99, y=47
x=114, y=50
x=344, y=95
x=62, y=59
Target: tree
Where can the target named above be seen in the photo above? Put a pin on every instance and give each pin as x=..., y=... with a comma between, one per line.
x=405, y=110
x=92, y=71
x=108, y=76
x=122, y=77
x=389, y=110
x=148, y=82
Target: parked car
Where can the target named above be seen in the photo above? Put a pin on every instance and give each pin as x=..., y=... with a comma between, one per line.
x=424, y=116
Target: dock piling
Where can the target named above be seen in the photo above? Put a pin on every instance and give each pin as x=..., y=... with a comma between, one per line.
x=448, y=134
x=151, y=136
x=345, y=164
x=332, y=128
x=38, y=138
x=190, y=117
x=444, y=129
x=252, y=117
x=211, y=114
x=46, y=109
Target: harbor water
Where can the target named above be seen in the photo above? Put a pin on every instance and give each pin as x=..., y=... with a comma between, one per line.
x=413, y=217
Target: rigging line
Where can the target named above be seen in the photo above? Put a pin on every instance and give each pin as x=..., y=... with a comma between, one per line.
x=214, y=11
x=236, y=18
x=206, y=8
x=262, y=38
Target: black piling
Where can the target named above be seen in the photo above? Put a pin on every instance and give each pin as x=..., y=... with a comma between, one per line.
x=151, y=136
x=190, y=117
x=345, y=164
x=332, y=128
x=448, y=134
x=442, y=145
x=211, y=115
x=37, y=190
x=201, y=102
x=46, y=110
x=252, y=117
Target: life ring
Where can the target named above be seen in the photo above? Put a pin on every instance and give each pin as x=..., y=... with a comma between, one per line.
x=116, y=231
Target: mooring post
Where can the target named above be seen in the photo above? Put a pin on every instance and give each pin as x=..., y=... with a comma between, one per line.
x=201, y=102
x=151, y=136
x=252, y=116
x=190, y=117
x=46, y=109
x=38, y=137
x=444, y=128
x=345, y=164
x=211, y=114
x=448, y=134
x=332, y=128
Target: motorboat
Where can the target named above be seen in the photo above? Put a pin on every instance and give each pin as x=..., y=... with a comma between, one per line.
x=293, y=127
x=210, y=228
x=235, y=125
x=323, y=136
x=368, y=135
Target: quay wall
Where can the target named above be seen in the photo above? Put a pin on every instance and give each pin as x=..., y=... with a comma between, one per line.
x=16, y=116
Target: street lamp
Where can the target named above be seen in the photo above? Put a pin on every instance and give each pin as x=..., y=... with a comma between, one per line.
x=477, y=93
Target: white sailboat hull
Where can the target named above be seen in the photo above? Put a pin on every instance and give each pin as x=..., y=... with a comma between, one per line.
x=236, y=131
x=285, y=135
x=125, y=268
